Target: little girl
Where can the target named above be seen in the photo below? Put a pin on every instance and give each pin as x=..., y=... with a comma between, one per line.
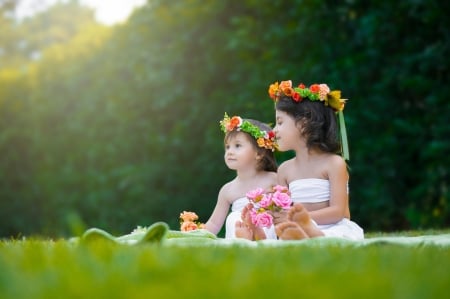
x=249, y=146
x=317, y=177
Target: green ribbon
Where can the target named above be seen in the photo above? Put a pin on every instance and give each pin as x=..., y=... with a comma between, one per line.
x=343, y=133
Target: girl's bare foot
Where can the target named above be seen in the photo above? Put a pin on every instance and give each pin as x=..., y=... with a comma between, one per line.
x=290, y=231
x=257, y=233
x=300, y=215
x=242, y=231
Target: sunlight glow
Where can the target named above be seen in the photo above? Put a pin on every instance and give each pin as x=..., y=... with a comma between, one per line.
x=107, y=12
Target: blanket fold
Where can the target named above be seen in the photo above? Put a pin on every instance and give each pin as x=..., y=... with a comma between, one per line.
x=160, y=233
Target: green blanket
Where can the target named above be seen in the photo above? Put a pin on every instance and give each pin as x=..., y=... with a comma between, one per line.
x=159, y=233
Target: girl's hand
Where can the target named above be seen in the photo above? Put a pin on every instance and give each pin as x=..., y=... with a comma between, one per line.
x=279, y=216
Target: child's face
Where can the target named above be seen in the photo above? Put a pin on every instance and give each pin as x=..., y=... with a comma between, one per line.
x=286, y=132
x=240, y=153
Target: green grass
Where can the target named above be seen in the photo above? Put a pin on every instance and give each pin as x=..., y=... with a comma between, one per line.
x=60, y=269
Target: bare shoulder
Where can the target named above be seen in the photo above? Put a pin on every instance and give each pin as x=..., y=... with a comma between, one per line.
x=337, y=161
x=226, y=192
x=283, y=171
x=271, y=178
x=336, y=165
x=286, y=165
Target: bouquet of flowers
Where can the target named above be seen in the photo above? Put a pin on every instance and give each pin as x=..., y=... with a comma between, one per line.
x=189, y=221
x=277, y=199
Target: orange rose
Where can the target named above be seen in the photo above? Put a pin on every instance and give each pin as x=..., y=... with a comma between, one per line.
x=288, y=91
x=273, y=89
x=235, y=121
x=188, y=216
x=285, y=84
x=261, y=142
x=188, y=226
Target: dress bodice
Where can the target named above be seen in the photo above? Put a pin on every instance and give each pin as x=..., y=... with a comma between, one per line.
x=310, y=190
x=239, y=204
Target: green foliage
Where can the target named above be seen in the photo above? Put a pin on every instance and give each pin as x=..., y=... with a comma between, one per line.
x=405, y=127
x=22, y=41
x=102, y=270
x=117, y=127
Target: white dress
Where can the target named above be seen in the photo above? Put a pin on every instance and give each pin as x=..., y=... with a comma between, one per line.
x=318, y=190
x=235, y=215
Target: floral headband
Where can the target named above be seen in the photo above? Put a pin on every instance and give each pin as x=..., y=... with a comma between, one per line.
x=316, y=92
x=263, y=138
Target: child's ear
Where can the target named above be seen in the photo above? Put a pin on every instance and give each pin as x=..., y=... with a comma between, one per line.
x=300, y=125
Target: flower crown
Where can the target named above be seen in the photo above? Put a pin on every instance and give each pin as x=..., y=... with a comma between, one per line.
x=316, y=92
x=263, y=139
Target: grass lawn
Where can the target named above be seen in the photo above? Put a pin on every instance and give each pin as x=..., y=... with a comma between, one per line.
x=61, y=269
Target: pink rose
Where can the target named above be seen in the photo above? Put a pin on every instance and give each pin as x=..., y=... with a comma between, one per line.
x=281, y=199
x=266, y=201
x=323, y=91
x=263, y=219
x=255, y=195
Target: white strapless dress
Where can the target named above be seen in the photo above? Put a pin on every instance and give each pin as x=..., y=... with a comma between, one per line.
x=318, y=190
x=235, y=215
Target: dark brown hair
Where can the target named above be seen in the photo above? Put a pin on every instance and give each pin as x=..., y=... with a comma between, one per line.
x=319, y=124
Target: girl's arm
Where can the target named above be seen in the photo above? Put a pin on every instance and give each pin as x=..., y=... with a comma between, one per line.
x=220, y=212
x=338, y=208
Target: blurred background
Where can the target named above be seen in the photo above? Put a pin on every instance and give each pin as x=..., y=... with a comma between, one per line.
x=116, y=124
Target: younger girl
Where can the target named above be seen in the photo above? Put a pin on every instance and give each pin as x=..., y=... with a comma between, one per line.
x=317, y=177
x=249, y=146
